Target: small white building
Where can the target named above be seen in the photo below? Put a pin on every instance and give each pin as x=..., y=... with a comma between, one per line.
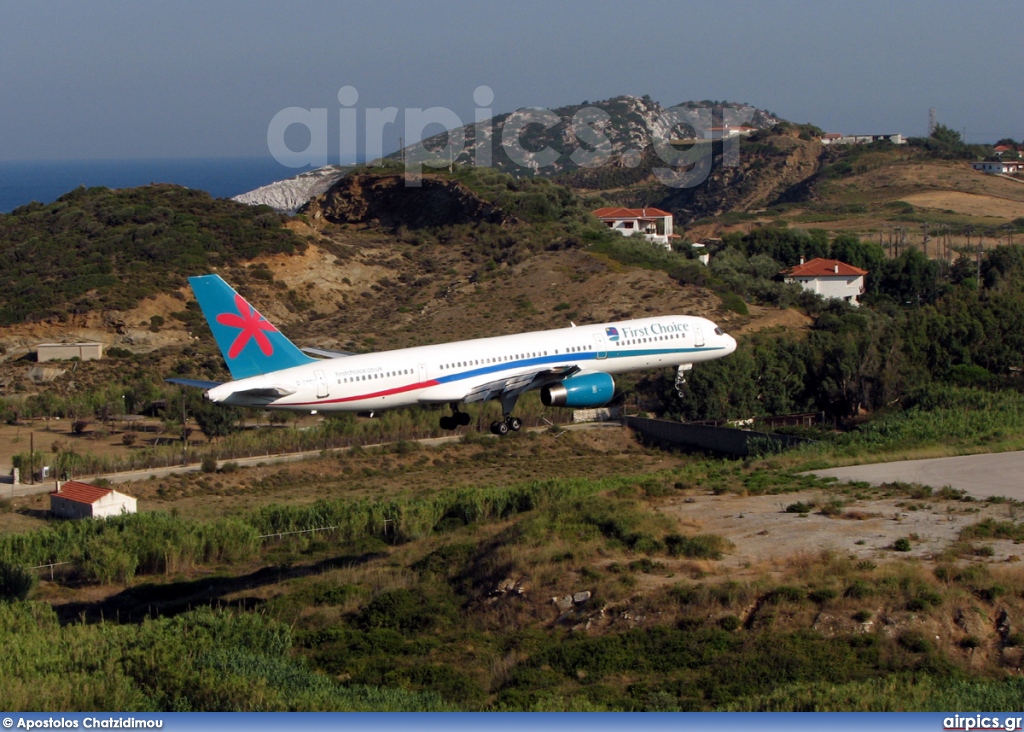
x=75, y=500
x=727, y=131
x=829, y=278
x=653, y=223
x=836, y=138
x=1005, y=167
x=68, y=351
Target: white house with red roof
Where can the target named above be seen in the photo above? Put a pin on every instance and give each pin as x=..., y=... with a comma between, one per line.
x=74, y=500
x=829, y=278
x=653, y=223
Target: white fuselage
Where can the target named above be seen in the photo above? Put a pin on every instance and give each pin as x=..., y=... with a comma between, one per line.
x=448, y=372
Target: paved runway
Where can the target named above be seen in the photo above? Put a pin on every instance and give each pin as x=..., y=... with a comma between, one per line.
x=994, y=474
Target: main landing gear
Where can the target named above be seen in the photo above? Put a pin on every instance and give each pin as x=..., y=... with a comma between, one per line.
x=456, y=420
x=501, y=427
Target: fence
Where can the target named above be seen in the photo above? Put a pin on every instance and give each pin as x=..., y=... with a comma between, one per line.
x=727, y=440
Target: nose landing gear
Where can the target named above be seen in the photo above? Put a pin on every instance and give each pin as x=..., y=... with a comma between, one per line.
x=681, y=379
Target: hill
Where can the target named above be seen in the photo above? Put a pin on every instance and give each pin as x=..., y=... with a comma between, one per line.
x=97, y=250
x=616, y=128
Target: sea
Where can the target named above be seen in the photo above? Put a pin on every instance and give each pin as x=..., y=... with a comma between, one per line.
x=45, y=181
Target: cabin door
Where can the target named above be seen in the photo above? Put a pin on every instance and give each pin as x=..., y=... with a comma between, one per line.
x=601, y=345
x=698, y=337
x=321, y=384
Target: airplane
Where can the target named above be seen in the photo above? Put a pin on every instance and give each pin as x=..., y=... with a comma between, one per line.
x=572, y=367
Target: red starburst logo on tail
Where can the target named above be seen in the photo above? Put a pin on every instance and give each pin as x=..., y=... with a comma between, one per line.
x=252, y=325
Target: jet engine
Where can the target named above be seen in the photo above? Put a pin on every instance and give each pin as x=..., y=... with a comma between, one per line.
x=582, y=392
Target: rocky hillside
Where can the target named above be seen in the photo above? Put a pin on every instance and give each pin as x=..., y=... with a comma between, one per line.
x=767, y=169
x=616, y=128
x=623, y=127
x=386, y=200
x=287, y=196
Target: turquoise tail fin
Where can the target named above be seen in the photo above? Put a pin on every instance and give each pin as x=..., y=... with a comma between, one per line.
x=251, y=345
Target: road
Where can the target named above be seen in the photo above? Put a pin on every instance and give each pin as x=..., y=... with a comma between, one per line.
x=26, y=489
x=982, y=476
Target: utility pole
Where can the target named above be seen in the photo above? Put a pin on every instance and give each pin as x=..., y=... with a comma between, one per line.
x=184, y=431
x=977, y=274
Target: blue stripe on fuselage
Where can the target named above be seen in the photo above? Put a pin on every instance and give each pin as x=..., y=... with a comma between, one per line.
x=562, y=359
x=507, y=365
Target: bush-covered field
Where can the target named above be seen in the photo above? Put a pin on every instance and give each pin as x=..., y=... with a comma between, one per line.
x=123, y=246
x=445, y=602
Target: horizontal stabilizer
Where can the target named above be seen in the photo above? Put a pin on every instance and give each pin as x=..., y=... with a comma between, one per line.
x=327, y=354
x=266, y=392
x=195, y=383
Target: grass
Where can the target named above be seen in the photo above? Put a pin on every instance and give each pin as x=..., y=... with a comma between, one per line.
x=440, y=597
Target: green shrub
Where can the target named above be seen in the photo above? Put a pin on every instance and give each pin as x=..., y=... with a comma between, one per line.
x=16, y=582
x=822, y=595
x=699, y=546
x=729, y=622
x=859, y=589
x=901, y=545
x=915, y=641
x=786, y=593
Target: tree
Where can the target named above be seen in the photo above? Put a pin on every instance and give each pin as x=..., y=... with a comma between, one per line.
x=946, y=137
x=215, y=420
x=16, y=582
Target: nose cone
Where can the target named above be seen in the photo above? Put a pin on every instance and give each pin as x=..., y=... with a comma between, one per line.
x=730, y=344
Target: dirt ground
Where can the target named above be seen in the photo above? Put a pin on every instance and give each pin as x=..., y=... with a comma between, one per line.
x=766, y=536
x=971, y=204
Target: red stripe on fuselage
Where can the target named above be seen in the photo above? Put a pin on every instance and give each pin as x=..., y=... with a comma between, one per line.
x=373, y=395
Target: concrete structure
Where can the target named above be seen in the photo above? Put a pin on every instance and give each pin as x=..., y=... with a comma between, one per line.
x=981, y=476
x=727, y=440
x=68, y=351
x=835, y=138
x=653, y=223
x=720, y=133
x=1004, y=167
x=75, y=500
x=829, y=278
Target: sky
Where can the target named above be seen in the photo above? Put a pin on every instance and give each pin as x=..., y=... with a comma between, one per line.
x=121, y=80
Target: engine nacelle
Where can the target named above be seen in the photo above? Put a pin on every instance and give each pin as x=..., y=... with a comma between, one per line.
x=581, y=392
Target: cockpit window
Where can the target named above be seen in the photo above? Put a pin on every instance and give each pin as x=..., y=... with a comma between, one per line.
x=719, y=331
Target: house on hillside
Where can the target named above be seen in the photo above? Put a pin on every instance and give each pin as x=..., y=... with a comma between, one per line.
x=653, y=223
x=835, y=138
x=1004, y=167
x=75, y=500
x=829, y=278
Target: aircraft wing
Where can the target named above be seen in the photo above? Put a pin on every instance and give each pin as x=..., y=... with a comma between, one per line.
x=519, y=383
x=327, y=354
